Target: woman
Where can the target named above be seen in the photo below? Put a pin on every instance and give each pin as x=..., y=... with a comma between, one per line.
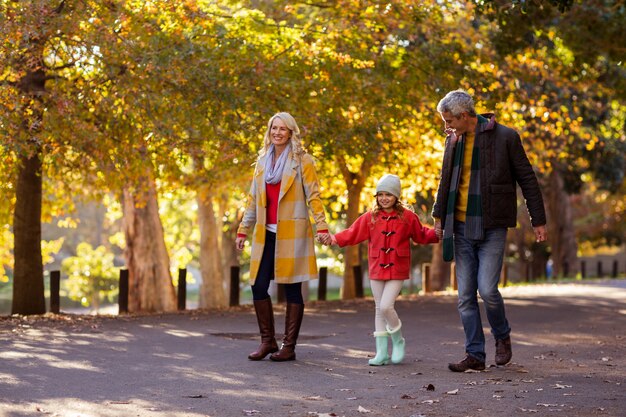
x=283, y=190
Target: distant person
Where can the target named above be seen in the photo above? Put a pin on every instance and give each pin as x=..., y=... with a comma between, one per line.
x=283, y=191
x=476, y=203
x=389, y=227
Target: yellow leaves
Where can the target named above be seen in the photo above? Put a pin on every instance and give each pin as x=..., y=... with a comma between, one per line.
x=68, y=223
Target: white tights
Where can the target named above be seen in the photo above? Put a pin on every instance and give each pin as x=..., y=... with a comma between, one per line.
x=385, y=294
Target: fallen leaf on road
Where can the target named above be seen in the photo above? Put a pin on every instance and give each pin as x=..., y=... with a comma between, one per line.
x=529, y=410
x=194, y=396
x=406, y=397
x=313, y=398
x=453, y=392
x=363, y=410
x=429, y=387
x=430, y=401
x=561, y=386
x=251, y=412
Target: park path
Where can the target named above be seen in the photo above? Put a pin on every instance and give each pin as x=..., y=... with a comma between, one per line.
x=568, y=360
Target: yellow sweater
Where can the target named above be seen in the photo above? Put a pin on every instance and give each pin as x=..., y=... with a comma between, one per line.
x=461, y=198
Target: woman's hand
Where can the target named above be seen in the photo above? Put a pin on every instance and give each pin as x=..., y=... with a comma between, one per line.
x=240, y=242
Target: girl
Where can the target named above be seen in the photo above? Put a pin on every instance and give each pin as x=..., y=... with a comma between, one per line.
x=388, y=226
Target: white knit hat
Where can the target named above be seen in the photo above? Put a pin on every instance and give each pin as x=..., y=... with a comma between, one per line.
x=389, y=183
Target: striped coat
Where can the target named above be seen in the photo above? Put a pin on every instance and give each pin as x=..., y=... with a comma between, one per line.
x=295, y=248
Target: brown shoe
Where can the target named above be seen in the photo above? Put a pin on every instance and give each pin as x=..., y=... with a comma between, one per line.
x=265, y=319
x=293, y=320
x=503, y=351
x=469, y=362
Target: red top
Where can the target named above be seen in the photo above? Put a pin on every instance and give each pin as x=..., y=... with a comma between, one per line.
x=273, y=192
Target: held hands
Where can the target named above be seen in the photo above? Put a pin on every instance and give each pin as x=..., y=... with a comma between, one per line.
x=438, y=230
x=325, y=239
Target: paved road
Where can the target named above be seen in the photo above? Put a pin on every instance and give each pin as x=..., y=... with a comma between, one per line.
x=568, y=360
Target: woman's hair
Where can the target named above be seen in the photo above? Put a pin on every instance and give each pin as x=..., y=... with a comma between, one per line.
x=399, y=207
x=457, y=102
x=296, y=140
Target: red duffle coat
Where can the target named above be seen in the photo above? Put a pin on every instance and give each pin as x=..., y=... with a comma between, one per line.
x=389, y=251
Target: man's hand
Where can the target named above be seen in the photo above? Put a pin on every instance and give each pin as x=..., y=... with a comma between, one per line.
x=541, y=234
x=438, y=230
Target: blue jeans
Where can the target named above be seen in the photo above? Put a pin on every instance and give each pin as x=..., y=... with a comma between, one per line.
x=478, y=266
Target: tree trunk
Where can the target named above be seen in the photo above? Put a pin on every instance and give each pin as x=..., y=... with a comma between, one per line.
x=28, y=288
x=230, y=254
x=561, y=233
x=439, y=270
x=212, y=294
x=147, y=260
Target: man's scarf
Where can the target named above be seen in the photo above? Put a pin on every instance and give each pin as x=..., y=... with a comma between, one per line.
x=474, y=215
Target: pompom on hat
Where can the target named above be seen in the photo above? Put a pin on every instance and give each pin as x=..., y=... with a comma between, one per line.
x=389, y=183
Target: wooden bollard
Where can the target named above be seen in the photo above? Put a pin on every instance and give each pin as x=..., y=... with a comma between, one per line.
x=182, y=288
x=234, y=286
x=323, y=282
x=55, y=287
x=426, y=277
x=358, y=281
x=615, y=269
x=280, y=293
x=583, y=269
x=600, y=272
x=122, y=298
x=453, y=281
x=504, y=275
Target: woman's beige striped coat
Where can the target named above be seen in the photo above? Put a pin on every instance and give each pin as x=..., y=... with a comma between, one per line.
x=295, y=248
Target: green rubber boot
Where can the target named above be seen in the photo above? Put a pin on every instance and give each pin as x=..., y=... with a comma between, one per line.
x=382, y=355
x=397, y=343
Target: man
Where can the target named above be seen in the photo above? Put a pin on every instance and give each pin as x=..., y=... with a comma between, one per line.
x=476, y=203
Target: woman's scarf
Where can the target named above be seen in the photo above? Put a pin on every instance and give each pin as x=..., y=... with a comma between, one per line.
x=274, y=172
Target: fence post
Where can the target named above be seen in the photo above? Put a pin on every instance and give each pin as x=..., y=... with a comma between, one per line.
x=182, y=288
x=280, y=293
x=453, y=281
x=504, y=275
x=358, y=281
x=583, y=269
x=615, y=269
x=55, y=287
x=321, y=285
x=234, y=285
x=600, y=273
x=426, y=277
x=122, y=298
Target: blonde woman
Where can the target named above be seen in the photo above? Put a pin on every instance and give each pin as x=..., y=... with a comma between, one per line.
x=283, y=192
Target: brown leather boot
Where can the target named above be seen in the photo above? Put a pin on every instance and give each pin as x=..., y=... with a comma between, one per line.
x=293, y=320
x=265, y=318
